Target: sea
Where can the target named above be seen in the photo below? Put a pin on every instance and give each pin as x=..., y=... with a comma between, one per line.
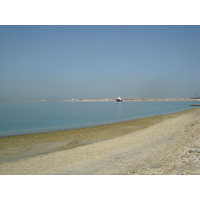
x=18, y=118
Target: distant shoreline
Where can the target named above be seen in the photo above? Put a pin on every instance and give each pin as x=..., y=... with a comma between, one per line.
x=106, y=100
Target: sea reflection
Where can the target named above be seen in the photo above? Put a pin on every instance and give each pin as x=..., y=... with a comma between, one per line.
x=119, y=109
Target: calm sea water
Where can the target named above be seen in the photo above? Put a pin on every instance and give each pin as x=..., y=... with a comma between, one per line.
x=34, y=117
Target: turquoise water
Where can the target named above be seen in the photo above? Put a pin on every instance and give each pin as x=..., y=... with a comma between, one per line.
x=34, y=117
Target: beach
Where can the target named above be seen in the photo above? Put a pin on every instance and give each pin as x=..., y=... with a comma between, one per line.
x=164, y=144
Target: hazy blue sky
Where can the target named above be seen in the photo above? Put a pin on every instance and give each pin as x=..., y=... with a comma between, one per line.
x=65, y=62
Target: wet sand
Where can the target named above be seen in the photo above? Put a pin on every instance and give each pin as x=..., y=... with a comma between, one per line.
x=165, y=144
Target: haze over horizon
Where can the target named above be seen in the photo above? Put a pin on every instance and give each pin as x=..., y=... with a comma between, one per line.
x=91, y=62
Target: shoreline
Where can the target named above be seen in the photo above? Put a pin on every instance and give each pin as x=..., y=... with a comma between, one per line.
x=21, y=148
x=16, y=147
x=107, y=100
x=40, y=130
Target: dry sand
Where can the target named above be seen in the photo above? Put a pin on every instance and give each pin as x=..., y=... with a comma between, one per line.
x=166, y=144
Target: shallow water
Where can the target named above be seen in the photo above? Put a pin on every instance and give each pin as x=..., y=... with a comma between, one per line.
x=34, y=117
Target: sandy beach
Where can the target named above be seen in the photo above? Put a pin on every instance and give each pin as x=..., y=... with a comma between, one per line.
x=165, y=144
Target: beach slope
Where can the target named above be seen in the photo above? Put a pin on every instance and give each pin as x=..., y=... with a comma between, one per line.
x=167, y=144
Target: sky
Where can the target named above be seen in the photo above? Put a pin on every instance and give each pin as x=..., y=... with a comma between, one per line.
x=91, y=62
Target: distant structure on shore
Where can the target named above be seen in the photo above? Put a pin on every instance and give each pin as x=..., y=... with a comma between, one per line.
x=119, y=99
x=195, y=97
